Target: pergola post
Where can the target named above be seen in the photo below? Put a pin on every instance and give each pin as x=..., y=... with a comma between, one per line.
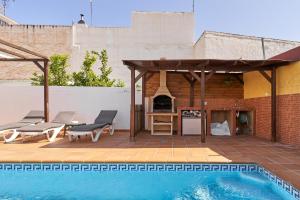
x=202, y=91
x=19, y=56
x=273, y=105
x=272, y=80
x=192, y=92
x=202, y=81
x=132, y=104
x=143, y=100
x=191, y=82
x=46, y=91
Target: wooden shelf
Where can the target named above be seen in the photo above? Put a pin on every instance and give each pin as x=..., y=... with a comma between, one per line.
x=161, y=133
x=162, y=123
x=167, y=121
x=162, y=114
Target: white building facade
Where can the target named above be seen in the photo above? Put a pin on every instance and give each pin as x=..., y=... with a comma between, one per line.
x=151, y=35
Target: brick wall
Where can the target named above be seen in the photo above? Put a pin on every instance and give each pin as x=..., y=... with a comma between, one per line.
x=288, y=111
x=47, y=40
x=179, y=88
x=262, y=107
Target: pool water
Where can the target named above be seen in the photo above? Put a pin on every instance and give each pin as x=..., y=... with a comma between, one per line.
x=174, y=185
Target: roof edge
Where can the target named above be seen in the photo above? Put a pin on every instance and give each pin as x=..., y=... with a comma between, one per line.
x=292, y=54
x=243, y=36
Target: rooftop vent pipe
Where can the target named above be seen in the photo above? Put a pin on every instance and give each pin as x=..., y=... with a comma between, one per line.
x=81, y=21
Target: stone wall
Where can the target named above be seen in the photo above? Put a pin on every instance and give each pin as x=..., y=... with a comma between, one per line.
x=47, y=40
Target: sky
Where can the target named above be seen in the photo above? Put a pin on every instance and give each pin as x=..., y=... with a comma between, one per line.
x=263, y=18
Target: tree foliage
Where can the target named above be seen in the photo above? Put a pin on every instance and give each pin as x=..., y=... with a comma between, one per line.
x=86, y=76
x=57, y=72
x=105, y=71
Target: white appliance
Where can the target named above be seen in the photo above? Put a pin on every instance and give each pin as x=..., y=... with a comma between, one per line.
x=191, y=123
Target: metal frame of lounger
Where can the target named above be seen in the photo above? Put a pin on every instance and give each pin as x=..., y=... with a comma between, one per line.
x=55, y=130
x=46, y=132
x=97, y=132
x=14, y=133
x=34, y=114
x=13, y=136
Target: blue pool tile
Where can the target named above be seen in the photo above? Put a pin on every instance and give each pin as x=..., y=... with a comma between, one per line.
x=152, y=167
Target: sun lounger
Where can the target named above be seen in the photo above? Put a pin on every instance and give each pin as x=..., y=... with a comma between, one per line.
x=54, y=127
x=33, y=117
x=105, y=120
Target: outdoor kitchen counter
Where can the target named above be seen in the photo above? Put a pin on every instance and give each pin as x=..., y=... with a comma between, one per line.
x=166, y=119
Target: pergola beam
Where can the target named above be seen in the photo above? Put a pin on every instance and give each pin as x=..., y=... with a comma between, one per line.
x=238, y=78
x=178, y=64
x=187, y=78
x=39, y=65
x=210, y=75
x=148, y=76
x=266, y=76
x=191, y=82
x=22, y=49
x=141, y=74
x=22, y=59
x=195, y=65
x=12, y=53
x=195, y=75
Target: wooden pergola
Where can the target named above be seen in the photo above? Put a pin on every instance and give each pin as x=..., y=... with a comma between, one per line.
x=201, y=70
x=15, y=53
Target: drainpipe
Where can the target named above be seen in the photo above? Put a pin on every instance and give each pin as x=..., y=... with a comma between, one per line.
x=263, y=48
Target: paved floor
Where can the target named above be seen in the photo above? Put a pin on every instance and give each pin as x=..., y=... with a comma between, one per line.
x=282, y=160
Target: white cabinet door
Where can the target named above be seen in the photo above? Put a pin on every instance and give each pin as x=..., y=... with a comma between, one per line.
x=191, y=126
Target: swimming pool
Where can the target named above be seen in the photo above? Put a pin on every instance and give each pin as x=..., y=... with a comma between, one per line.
x=176, y=181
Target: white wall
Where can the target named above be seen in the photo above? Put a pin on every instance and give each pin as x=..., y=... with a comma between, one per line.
x=152, y=35
x=16, y=101
x=216, y=45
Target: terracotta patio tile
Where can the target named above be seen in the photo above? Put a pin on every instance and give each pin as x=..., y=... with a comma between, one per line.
x=280, y=159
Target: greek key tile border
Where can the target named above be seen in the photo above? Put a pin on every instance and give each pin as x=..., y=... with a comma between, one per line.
x=230, y=167
x=128, y=167
x=280, y=182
